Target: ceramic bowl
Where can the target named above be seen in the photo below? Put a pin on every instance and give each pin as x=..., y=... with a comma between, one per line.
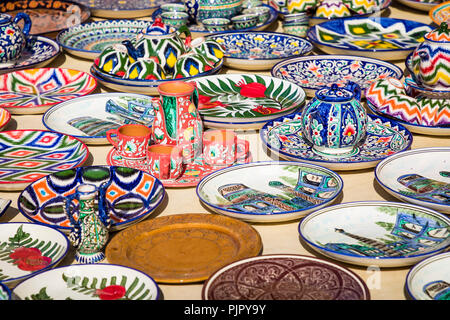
x=175, y=19
x=244, y=21
x=216, y=24
x=173, y=7
x=262, y=12
x=384, y=234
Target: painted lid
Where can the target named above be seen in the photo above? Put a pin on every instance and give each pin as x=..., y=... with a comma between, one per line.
x=334, y=94
x=440, y=34
x=4, y=18
x=158, y=28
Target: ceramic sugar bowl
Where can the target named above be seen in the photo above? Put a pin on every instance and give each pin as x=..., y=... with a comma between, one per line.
x=12, y=38
x=335, y=121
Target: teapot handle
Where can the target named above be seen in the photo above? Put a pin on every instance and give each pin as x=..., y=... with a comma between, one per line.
x=66, y=208
x=355, y=88
x=27, y=22
x=185, y=30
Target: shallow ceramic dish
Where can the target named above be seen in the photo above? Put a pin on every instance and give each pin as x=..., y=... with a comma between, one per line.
x=132, y=196
x=419, y=176
x=438, y=12
x=430, y=279
x=88, y=118
x=123, y=9
x=88, y=282
x=5, y=292
x=34, y=91
x=48, y=16
x=420, y=4
x=258, y=50
x=283, y=136
x=183, y=248
x=29, y=248
x=269, y=191
x=4, y=205
x=244, y=98
x=316, y=71
x=28, y=155
x=384, y=234
x=89, y=39
x=284, y=277
x=382, y=38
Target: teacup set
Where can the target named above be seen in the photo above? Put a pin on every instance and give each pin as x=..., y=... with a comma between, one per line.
x=13, y=39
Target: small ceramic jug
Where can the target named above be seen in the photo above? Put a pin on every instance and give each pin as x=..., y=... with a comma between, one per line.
x=335, y=121
x=12, y=38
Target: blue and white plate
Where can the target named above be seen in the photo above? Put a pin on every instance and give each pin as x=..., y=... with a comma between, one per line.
x=283, y=137
x=316, y=71
x=259, y=50
x=384, y=234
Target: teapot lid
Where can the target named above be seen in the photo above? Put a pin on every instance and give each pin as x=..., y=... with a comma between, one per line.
x=440, y=34
x=334, y=94
x=159, y=28
x=5, y=18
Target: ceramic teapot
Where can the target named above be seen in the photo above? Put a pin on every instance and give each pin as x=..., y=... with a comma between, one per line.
x=200, y=10
x=431, y=59
x=12, y=38
x=335, y=121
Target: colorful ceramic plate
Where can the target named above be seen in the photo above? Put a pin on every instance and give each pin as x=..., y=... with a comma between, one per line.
x=269, y=191
x=48, y=16
x=28, y=155
x=89, y=39
x=29, y=248
x=191, y=176
x=89, y=282
x=252, y=50
x=34, y=91
x=384, y=234
x=420, y=176
x=123, y=9
x=5, y=292
x=284, y=277
x=4, y=204
x=39, y=51
x=430, y=279
x=88, y=118
x=183, y=248
x=316, y=71
x=385, y=137
x=132, y=196
x=5, y=117
x=438, y=12
x=382, y=38
x=236, y=98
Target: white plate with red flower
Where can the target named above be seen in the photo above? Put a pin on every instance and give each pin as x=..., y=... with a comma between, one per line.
x=29, y=248
x=88, y=282
x=245, y=101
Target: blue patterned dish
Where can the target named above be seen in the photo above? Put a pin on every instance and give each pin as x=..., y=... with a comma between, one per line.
x=259, y=50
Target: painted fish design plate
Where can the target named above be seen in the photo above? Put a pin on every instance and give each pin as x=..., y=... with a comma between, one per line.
x=132, y=196
x=269, y=191
x=419, y=176
x=438, y=12
x=123, y=9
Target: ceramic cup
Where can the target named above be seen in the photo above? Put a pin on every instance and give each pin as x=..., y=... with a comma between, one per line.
x=262, y=12
x=145, y=69
x=191, y=64
x=12, y=38
x=244, y=21
x=173, y=7
x=296, y=24
x=175, y=19
x=132, y=140
x=208, y=48
x=165, y=162
x=223, y=148
x=216, y=24
x=114, y=60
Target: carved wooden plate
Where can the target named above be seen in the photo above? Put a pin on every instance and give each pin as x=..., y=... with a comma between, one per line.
x=183, y=248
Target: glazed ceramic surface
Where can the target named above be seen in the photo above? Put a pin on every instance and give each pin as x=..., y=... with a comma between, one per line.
x=259, y=50
x=240, y=98
x=5, y=292
x=48, y=15
x=423, y=5
x=131, y=197
x=316, y=71
x=88, y=118
x=33, y=91
x=4, y=204
x=29, y=248
x=385, y=38
x=385, y=234
x=122, y=9
x=430, y=279
x=269, y=191
x=28, y=155
x=89, y=282
x=88, y=40
x=184, y=248
x=385, y=137
x=5, y=117
x=438, y=12
x=284, y=277
x=419, y=176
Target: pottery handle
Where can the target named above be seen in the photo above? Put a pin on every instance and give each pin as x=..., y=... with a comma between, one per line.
x=355, y=88
x=67, y=201
x=242, y=150
x=27, y=22
x=110, y=139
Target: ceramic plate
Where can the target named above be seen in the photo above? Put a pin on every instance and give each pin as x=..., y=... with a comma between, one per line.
x=420, y=176
x=88, y=118
x=438, y=12
x=124, y=8
x=235, y=98
x=284, y=277
x=423, y=5
x=259, y=50
x=39, y=51
x=132, y=196
x=383, y=38
x=4, y=205
x=385, y=137
x=384, y=234
x=183, y=248
x=48, y=16
x=269, y=191
x=34, y=91
x=89, y=39
x=88, y=282
x=29, y=248
x=316, y=71
x=28, y=155
x=430, y=279
x=5, y=292
x=5, y=117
